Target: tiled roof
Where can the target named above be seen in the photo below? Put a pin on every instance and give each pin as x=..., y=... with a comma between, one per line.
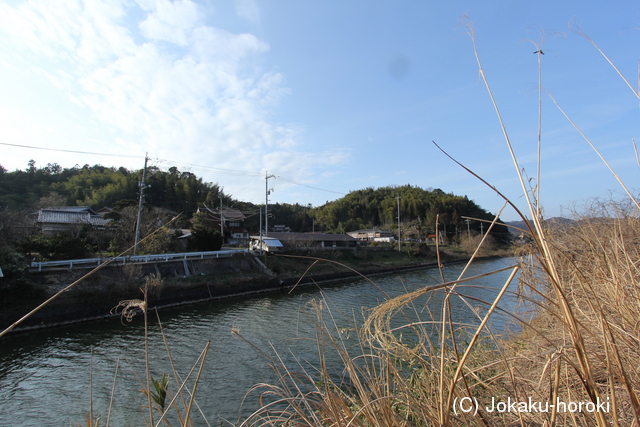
x=73, y=209
x=55, y=216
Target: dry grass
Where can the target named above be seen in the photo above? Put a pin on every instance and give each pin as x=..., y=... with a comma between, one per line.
x=573, y=362
x=597, y=263
x=581, y=346
x=392, y=374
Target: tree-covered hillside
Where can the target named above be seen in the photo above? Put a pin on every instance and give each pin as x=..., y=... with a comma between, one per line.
x=97, y=186
x=418, y=211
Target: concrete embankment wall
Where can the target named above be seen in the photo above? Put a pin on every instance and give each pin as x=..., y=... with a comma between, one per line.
x=171, y=282
x=167, y=269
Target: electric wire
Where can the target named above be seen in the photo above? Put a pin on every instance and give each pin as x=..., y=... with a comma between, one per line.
x=72, y=151
x=232, y=172
x=210, y=168
x=309, y=186
x=235, y=172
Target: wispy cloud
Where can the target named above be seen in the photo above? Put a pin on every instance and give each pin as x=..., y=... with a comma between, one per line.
x=160, y=78
x=249, y=10
x=169, y=21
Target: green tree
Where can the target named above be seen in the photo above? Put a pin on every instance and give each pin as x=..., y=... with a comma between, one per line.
x=14, y=285
x=379, y=208
x=162, y=241
x=57, y=247
x=204, y=237
x=124, y=230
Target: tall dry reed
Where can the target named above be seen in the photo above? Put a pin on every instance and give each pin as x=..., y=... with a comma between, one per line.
x=574, y=359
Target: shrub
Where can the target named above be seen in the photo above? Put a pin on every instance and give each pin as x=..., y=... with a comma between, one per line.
x=470, y=243
x=57, y=247
x=14, y=285
x=203, y=236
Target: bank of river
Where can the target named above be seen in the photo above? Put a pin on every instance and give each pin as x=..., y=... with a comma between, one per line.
x=244, y=275
x=45, y=375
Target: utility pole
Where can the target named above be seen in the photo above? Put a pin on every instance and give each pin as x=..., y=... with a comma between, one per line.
x=221, y=218
x=468, y=221
x=266, y=204
x=399, y=237
x=260, y=230
x=142, y=186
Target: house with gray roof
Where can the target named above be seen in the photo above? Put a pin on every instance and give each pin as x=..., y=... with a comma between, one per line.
x=69, y=219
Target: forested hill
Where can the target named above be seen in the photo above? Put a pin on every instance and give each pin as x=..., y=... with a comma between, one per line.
x=418, y=211
x=98, y=186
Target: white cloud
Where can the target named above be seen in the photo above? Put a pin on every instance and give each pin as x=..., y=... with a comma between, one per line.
x=249, y=10
x=161, y=79
x=170, y=21
x=69, y=31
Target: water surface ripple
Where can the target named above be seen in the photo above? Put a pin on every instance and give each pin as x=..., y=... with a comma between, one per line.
x=45, y=375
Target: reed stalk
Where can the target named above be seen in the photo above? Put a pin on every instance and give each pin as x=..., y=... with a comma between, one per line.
x=580, y=342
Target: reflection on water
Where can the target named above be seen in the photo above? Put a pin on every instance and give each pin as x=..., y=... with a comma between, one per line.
x=45, y=376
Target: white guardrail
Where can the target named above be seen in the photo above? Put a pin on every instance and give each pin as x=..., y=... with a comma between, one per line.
x=136, y=259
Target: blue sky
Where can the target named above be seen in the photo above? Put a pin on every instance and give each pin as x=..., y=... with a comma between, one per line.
x=328, y=96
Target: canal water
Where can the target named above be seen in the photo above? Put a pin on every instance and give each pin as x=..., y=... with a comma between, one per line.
x=50, y=377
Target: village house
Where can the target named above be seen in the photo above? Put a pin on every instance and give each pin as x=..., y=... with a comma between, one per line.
x=431, y=238
x=103, y=211
x=372, y=235
x=231, y=223
x=69, y=219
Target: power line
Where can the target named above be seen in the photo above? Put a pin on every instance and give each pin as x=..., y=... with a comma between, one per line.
x=209, y=168
x=70, y=151
x=309, y=186
x=235, y=172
